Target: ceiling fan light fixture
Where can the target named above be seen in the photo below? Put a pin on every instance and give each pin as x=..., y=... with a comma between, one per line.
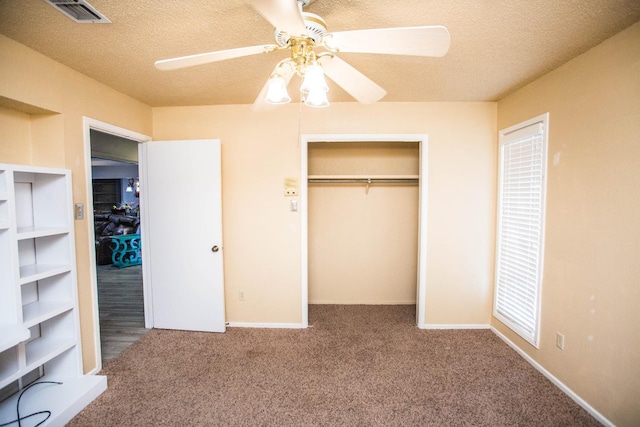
x=277, y=91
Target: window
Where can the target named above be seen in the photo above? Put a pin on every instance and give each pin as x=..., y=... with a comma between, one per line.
x=521, y=196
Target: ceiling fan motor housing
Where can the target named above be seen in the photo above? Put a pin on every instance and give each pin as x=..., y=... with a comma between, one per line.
x=315, y=25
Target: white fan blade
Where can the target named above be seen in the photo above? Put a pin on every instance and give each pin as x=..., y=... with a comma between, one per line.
x=351, y=80
x=282, y=14
x=286, y=72
x=418, y=41
x=206, y=58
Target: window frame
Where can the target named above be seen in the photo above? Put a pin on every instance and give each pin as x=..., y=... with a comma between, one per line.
x=518, y=134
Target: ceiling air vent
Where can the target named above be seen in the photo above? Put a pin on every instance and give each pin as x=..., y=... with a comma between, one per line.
x=80, y=11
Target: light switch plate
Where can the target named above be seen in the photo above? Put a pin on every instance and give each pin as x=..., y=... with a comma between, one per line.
x=79, y=211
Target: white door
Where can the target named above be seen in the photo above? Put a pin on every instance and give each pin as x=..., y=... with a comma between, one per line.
x=184, y=242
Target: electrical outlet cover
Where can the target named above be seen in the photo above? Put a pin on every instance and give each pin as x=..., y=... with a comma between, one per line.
x=560, y=341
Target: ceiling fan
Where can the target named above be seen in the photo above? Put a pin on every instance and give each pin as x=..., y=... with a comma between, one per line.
x=314, y=53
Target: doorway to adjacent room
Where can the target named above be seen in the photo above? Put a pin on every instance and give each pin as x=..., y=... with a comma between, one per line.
x=116, y=220
x=109, y=298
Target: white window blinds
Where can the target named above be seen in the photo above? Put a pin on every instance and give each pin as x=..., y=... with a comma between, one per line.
x=522, y=170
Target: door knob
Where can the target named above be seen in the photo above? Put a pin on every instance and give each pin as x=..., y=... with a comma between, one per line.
x=215, y=249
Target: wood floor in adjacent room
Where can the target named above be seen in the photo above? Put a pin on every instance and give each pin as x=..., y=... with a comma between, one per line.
x=121, y=308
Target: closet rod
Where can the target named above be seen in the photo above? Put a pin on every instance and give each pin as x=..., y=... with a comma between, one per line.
x=364, y=180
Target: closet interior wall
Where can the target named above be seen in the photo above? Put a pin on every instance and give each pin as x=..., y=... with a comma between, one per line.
x=363, y=237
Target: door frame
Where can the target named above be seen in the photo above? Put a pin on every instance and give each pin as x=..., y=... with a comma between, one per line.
x=423, y=142
x=89, y=124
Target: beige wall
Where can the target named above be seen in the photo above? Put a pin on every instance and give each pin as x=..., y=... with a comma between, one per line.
x=591, y=281
x=42, y=105
x=15, y=136
x=262, y=237
x=363, y=241
x=363, y=247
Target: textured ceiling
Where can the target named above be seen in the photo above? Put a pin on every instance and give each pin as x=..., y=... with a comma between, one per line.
x=497, y=46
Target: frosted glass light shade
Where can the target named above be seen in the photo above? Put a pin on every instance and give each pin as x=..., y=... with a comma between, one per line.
x=314, y=79
x=277, y=91
x=317, y=98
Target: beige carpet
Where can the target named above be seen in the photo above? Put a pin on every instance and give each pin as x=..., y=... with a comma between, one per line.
x=356, y=365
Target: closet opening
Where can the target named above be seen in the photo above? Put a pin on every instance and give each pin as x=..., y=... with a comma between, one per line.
x=363, y=205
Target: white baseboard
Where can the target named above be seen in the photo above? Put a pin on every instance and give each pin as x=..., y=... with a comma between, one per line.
x=334, y=302
x=266, y=325
x=562, y=386
x=452, y=326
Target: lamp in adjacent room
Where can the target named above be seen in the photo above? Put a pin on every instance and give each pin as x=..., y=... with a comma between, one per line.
x=129, y=188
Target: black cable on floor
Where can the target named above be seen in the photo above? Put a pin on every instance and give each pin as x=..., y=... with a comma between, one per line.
x=19, y=419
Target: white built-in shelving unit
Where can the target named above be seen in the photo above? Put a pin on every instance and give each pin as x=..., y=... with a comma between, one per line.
x=39, y=323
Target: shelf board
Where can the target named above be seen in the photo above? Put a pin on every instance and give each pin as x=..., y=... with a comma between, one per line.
x=35, y=232
x=33, y=272
x=9, y=374
x=11, y=334
x=43, y=349
x=39, y=311
x=64, y=401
